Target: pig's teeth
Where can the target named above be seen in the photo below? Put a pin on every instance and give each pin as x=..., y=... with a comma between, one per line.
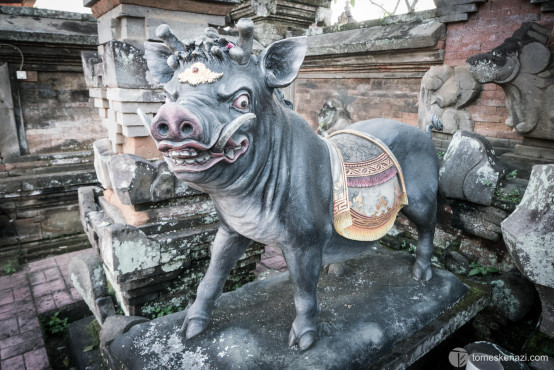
x=193, y=152
x=174, y=153
x=189, y=161
x=185, y=153
x=179, y=161
x=229, y=153
x=237, y=148
x=200, y=159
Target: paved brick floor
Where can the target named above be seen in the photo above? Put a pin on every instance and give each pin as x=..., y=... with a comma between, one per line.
x=44, y=286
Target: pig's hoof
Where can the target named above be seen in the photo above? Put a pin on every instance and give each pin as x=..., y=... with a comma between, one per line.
x=194, y=326
x=422, y=273
x=304, y=341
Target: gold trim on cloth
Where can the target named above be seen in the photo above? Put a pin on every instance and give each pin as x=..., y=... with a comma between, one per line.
x=198, y=74
x=348, y=219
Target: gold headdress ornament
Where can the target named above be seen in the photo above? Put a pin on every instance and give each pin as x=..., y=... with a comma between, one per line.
x=198, y=74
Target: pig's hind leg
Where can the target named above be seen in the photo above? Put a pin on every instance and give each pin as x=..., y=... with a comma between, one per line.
x=225, y=252
x=423, y=212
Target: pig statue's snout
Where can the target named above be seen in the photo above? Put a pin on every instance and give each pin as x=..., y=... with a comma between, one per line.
x=175, y=123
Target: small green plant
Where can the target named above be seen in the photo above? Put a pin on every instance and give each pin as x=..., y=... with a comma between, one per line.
x=478, y=269
x=55, y=325
x=514, y=196
x=93, y=330
x=511, y=175
x=162, y=311
x=441, y=154
x=9, y=268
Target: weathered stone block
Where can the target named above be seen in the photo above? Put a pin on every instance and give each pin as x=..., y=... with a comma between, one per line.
x=135, y=131
x=528, y=231
x=136, y=180
x=87, y=275
x=470, y=170
x=102, y=154
x=124, y=66
x=512, y=296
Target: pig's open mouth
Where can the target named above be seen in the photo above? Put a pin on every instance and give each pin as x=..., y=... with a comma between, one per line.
x=192, y=157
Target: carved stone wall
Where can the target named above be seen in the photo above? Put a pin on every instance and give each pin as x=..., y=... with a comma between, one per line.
x=494, y=21
x=371, y=68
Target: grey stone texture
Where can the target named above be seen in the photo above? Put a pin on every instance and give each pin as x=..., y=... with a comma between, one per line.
x=365, y=314
x=529, y=237
x=470, y=170
x=390, y=37
x=522, y=67
x=528, y=231
x=512, y=295
x=450, y=11
x=87, y=275
x=446, y=91
x=124, y=66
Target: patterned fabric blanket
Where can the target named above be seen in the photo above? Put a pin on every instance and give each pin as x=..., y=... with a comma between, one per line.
x=368, y=186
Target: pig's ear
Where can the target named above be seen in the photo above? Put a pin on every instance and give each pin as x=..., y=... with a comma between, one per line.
x=281, y=61
x=156, y=55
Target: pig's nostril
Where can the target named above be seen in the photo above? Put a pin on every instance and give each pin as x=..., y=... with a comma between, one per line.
x=187, y=129
x=163, y=129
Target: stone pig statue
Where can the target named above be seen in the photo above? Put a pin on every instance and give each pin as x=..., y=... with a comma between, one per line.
x=226, y=130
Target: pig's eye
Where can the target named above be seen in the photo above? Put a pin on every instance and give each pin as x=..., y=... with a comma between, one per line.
x=242, y=102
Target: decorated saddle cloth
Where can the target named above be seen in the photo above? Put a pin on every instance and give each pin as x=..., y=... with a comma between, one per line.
x=368, y=186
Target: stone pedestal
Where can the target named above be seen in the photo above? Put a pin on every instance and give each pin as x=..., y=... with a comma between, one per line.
x=373, y=315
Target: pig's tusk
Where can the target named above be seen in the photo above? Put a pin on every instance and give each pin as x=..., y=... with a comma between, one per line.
x=145, y=120
x=230, y=129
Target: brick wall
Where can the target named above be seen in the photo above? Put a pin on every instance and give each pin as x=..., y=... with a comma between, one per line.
x=495, y=21
x=364, y=98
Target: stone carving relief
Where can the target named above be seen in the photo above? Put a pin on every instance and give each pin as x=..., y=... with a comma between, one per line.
x=332, y=117
x=523, y=67
x=446, y=91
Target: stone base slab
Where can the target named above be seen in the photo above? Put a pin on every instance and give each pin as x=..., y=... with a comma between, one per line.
x=368, y=314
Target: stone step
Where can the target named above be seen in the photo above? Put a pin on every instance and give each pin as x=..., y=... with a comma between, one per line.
x=36, y=184
x=49, y=157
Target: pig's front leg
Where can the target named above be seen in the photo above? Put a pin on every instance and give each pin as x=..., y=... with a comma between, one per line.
x=304, y=266
x=226, y=249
